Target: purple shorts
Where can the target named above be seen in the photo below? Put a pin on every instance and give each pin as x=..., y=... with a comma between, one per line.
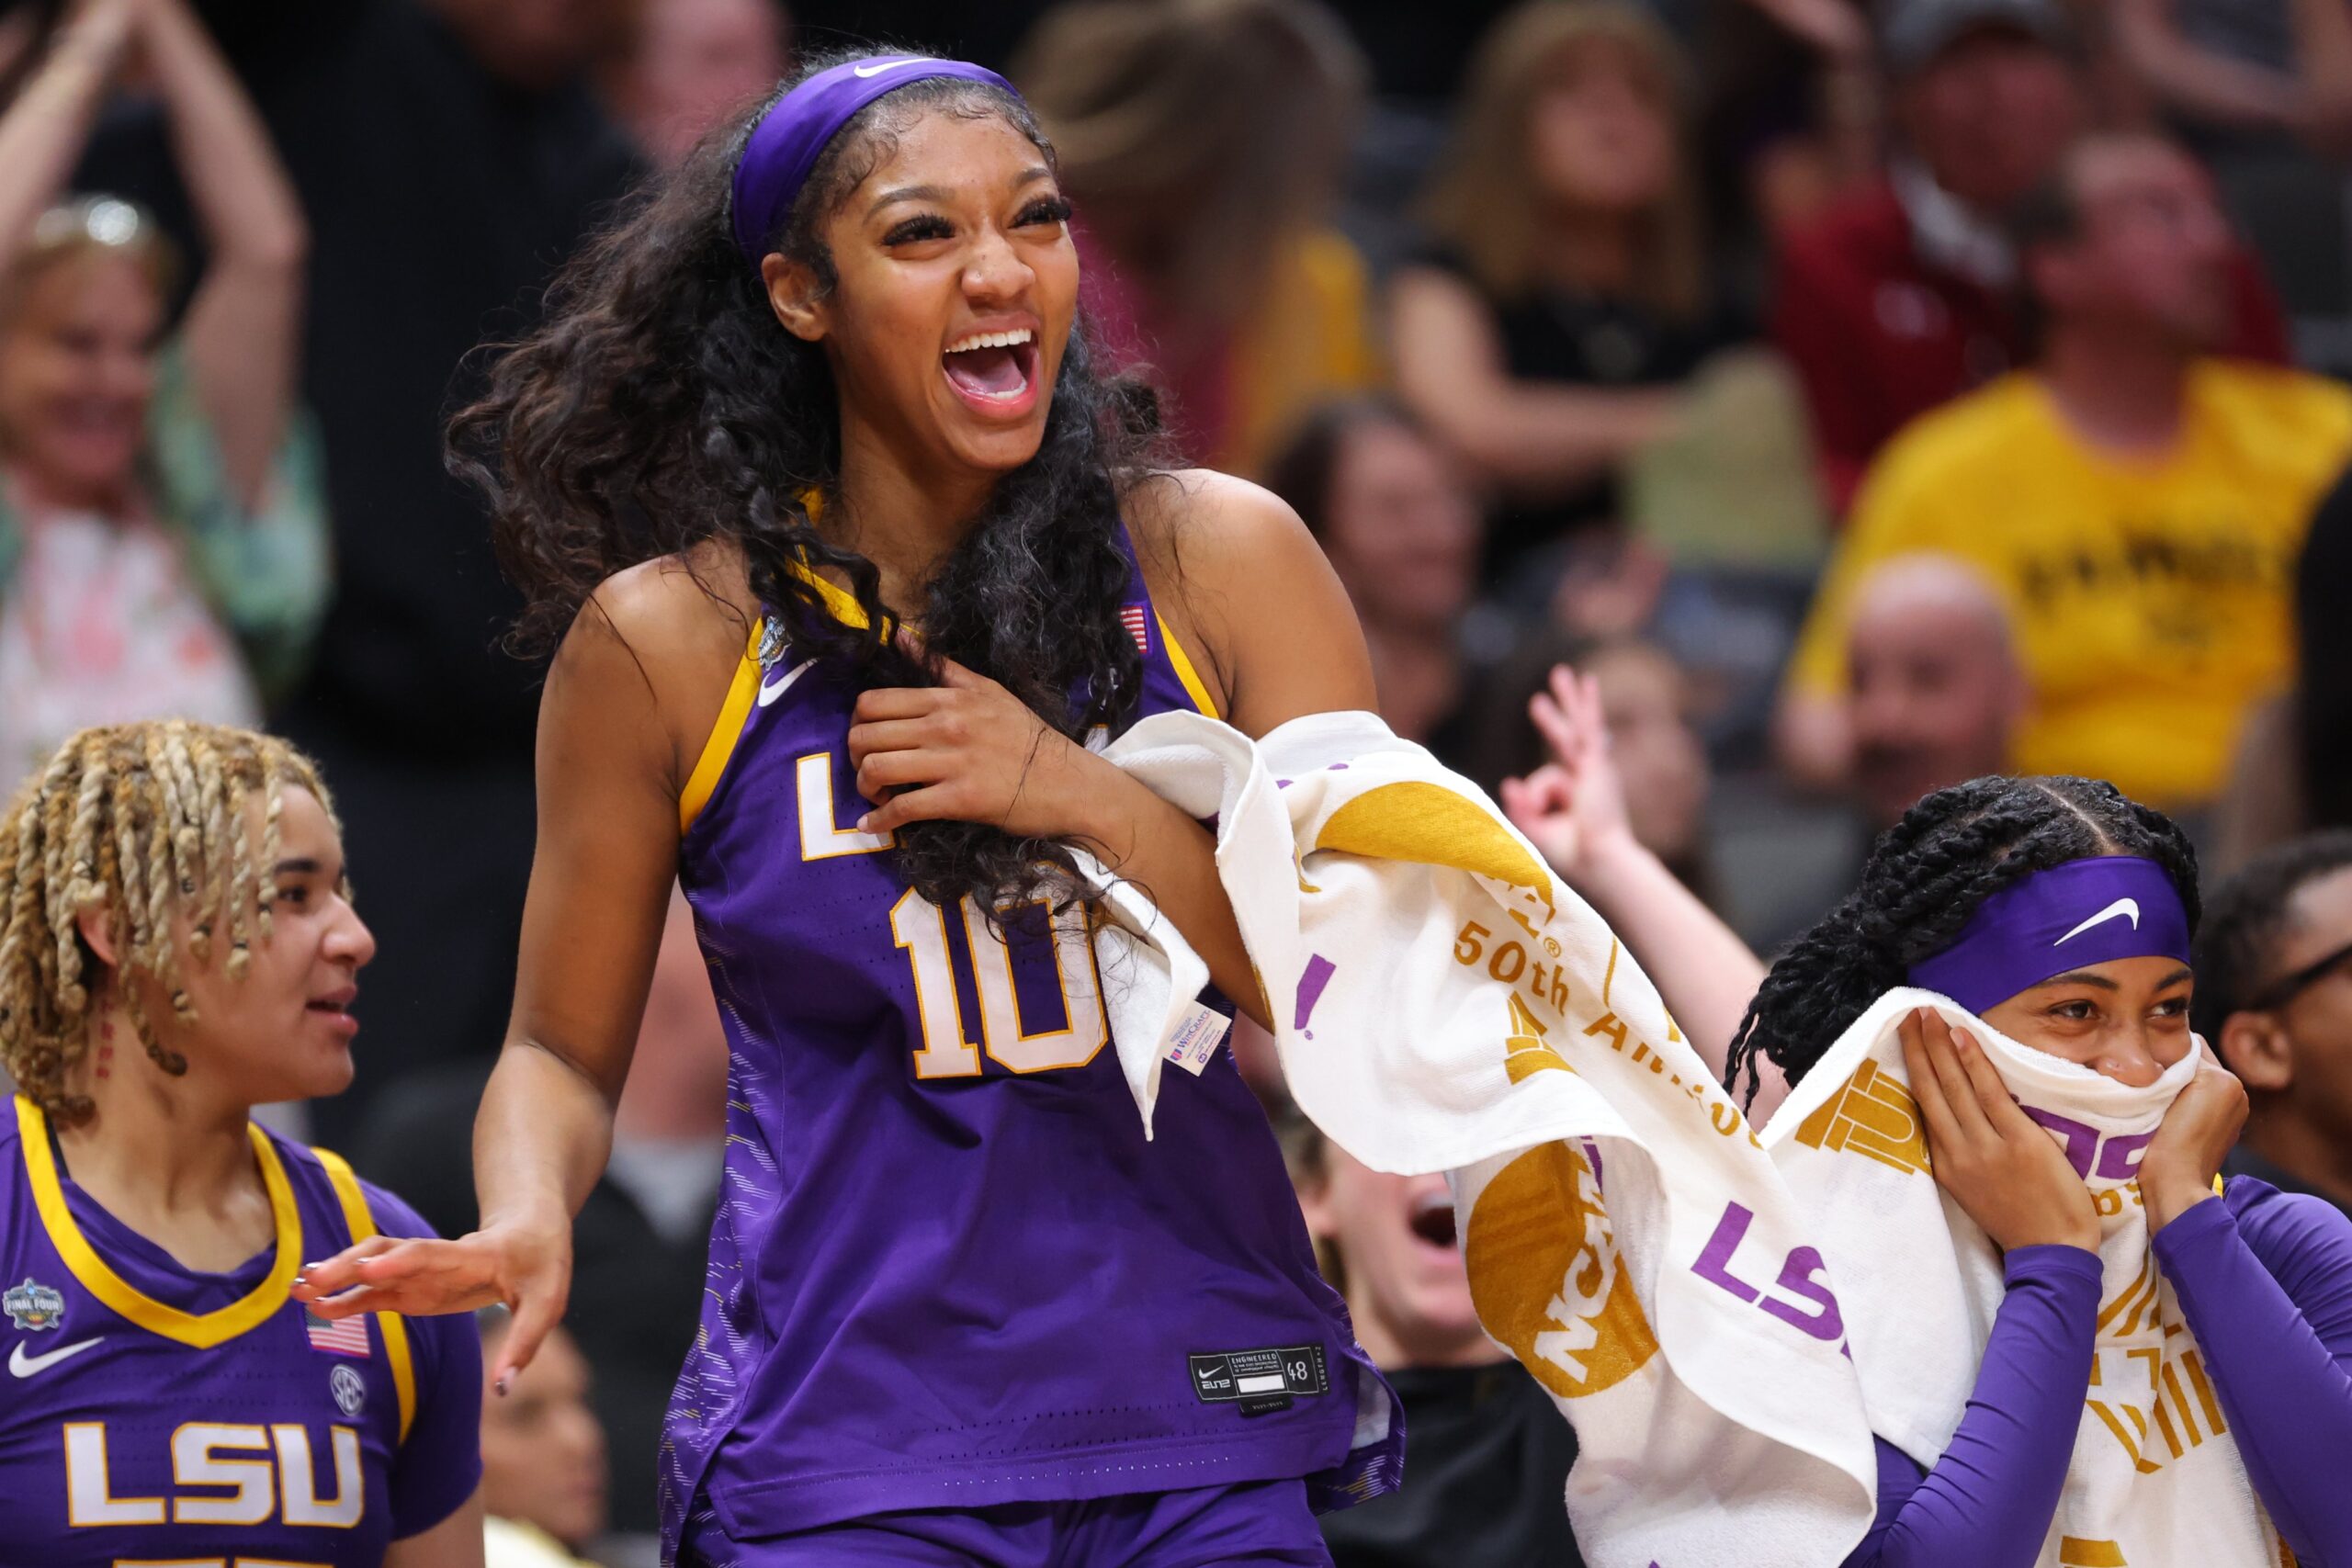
x=1261, y=1522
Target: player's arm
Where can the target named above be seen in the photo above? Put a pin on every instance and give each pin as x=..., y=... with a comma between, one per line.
x=455, y=1542
x=1246, y=588
x=645, y=665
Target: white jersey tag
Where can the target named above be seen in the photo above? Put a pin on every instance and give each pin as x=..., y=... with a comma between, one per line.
x=1197, y=1038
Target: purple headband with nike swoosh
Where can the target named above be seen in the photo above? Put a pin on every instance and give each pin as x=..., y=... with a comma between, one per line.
x=2086, y=911
x=785, y=144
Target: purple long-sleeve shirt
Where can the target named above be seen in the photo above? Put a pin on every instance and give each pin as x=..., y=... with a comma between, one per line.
x=2266, y=1283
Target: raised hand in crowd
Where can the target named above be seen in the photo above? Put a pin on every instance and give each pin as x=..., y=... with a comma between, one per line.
x=157, y=478
x=1573, y=810
x=44, y=129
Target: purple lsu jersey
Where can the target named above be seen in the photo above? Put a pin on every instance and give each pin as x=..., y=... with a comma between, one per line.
x=154, y=1414
x=947, y=1268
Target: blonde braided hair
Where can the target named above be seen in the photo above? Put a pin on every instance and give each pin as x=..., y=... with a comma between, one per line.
x=146, y=820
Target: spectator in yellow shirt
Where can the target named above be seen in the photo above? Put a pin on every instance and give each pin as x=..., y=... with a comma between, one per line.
x=2137, y=503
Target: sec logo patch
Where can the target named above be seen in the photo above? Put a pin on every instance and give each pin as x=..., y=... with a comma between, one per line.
x=349, y=1390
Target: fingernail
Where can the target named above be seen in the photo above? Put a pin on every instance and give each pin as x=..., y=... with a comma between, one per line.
x=862, y=821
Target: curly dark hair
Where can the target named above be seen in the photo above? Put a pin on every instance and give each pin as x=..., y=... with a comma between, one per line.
x=1924, y=878
x=660, y=404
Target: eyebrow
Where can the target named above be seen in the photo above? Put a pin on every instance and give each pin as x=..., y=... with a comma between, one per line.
x=301, y=865
x=1028, y=176
x=907, y=192
x=2084, y=977
x=2080, y=977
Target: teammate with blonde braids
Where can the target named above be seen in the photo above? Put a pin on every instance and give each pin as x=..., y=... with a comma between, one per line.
x=178, y=947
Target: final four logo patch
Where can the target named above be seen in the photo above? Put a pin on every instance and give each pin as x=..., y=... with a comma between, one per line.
x=33, y=1306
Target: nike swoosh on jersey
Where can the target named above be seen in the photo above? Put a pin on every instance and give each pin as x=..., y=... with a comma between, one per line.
x=769, y=693
x=2129, y=907
x=877, y=70
x=25, y=1366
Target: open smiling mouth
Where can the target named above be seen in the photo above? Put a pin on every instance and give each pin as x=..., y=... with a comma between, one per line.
x=1433, y=1219
x=994, y=368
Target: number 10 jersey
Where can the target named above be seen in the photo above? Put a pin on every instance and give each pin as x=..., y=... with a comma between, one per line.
x=947, y=1269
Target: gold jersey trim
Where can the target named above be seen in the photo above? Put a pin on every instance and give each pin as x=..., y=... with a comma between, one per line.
x=391, y=1327
x=199, y=1331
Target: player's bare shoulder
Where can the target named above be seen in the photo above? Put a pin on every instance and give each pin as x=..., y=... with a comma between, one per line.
x=1201, y=523
x=1230, y=563
x=661, y=639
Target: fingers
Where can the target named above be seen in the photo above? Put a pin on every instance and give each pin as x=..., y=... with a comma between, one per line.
x=925, y=804
x=1567, y=715
x=950, y=672
x=954, y=674
x=885, y=774
x=1517, y=798
x=887, y=734
x=882, y=771
x=1562, y=683
x=1927, y=1093
x=893, y=703
x=1552, y=723
x=317, y=1280
x=421, y=1276
x=1992, y=1095
x=1944, y=1053
x=1595, y=717
x=535, y=1314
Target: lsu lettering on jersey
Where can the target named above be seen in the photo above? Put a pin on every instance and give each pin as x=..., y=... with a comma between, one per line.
x=152, y=1415
x=947, y=1269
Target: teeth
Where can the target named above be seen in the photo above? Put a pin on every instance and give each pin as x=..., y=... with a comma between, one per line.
x=990, y=340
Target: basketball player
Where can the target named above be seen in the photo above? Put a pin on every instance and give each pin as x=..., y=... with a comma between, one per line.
x=1965, y=897
x=858, y=549
x=177, y=947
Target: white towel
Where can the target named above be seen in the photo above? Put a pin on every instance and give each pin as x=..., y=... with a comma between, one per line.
x=1443, y=1002
x=2155, y=1480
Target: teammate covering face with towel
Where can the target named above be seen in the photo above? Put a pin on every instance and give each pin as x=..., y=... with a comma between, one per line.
x=850, y=550
x=2059, y=914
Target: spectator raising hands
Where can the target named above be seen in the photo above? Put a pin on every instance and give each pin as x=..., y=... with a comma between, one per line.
x=1573, y=810
x=162, y=533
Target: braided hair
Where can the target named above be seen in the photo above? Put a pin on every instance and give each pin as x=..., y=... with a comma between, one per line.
x=147, y=821
x=1925, y=877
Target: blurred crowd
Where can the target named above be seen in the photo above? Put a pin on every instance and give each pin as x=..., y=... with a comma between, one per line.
x=1731, y=418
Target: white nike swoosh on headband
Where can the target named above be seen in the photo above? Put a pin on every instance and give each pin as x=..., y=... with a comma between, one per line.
x=2120, y=907
x=877, y=68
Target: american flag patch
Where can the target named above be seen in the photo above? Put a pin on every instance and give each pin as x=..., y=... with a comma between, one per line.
x=1132, y=618
x=341, y=1336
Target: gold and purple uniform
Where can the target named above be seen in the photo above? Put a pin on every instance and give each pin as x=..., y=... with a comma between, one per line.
x=948, y=1271
x=156, y=1416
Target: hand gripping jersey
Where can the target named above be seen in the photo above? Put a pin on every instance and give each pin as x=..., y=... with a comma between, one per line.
x=947, y=1269
x=151, y=1415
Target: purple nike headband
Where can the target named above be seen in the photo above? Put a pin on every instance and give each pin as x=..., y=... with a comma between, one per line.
x=785, y=144
x=2086, y=911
